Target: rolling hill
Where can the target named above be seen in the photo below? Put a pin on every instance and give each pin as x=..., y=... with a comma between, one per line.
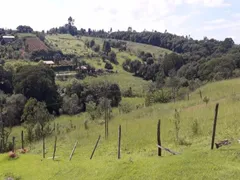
x=139, y=158
x=139, y=152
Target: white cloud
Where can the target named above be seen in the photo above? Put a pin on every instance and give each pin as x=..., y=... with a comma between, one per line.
x=216, y=21
x=209, y=3
x=234, y=25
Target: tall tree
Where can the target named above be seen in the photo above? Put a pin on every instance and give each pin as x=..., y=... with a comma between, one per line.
x=106, y=47
x=36, y=117
x=38, y=82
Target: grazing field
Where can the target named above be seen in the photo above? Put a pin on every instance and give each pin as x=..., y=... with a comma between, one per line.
x=136, y=47
x=139, y=152
x=26, y=35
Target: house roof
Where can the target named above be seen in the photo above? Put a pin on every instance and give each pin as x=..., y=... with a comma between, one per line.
x=8, y=37
x=48, y=62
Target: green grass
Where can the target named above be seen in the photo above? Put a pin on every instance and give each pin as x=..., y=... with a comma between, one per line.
x=26, y=35
x=139, y=154
x=135, y=47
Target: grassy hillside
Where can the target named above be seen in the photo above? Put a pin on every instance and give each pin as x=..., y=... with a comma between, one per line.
x=73, y=45
x=139, y=152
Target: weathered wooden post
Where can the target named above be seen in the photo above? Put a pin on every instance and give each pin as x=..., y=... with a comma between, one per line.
x=214, y=125
x=95, y=146
x=119, y=141
x=159, y=138
x=22, y=140
x=13, y=144
x=43, y=141
x=71, y=155
x=55, y=147
x=200, y=93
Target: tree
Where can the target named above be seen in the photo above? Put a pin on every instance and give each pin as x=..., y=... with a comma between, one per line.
x=174, y=84
x=113, y=57
x=36, y=117
x=38, y=82
x=13, y=109
x=71, y=105
x=24, y=29
x=91, y=43
x=70, y=21
x=130, y=29
x=106, y=47
x=5, y=81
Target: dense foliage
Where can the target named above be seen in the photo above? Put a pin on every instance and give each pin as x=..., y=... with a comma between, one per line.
x=38, y=82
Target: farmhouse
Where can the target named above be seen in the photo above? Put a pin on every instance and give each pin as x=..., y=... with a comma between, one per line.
x=7, y=39
x=48, y=63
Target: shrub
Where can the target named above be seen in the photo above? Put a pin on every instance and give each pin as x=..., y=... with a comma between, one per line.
x=96, y=48
x=206, y=99
x=108, y=66
x=162, y=96
x=125, y=107
x=195, y=127
x=128, y=93
x=71, y=105
x=113, y=57
x=176, y=121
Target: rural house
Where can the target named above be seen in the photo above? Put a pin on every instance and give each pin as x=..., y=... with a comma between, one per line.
x=7, y=39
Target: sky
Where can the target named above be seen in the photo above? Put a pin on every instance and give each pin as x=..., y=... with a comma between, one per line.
x=198, y=18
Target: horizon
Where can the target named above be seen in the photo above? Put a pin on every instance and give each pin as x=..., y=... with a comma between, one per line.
x=216, y=19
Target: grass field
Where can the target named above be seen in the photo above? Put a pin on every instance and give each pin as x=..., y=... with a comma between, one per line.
x=26, y=35
x=139, y=153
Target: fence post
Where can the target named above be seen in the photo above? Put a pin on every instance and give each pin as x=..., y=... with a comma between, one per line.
x=214, y=125
x=22, y=140
x=43, y=140
x=159, y=138
x=119, y=141
x=71, y=155
x=55, y=147
x=13, y=144
x=95, y=146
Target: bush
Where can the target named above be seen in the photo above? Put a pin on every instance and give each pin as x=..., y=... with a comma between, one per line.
x=108, y=66
x=162, y=96
x=71, y=105
x=195, y=127
x=206, y=99
x=96, y=48
x=113, y=57
x=128, y=93
x=125, y=107
x=92, y=110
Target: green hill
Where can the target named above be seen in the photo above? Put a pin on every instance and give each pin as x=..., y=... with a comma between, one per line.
x=139, y=152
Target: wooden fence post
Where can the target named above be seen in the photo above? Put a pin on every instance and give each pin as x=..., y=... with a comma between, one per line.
x=214, y=125
x=43, y=151
x=200, y=93
x=119, y=141
x=55, y=147
x=22, y=140
x=74, y=147
x=13, y=144
x=159, y=138
x=95, y=146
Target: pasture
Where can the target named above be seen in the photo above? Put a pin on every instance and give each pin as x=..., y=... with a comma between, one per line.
x=139, y=151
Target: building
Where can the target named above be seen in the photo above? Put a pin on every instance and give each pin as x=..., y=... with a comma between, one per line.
x=7, y=39
x=48, y=63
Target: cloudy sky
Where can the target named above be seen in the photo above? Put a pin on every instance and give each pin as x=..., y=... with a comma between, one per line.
x=197, y=18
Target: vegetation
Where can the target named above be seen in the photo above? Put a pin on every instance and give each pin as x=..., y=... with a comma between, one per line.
x=131, y=79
